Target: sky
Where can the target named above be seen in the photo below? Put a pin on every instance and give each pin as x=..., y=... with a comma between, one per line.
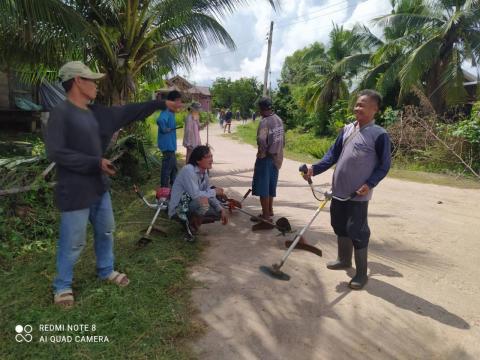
x=298, y=23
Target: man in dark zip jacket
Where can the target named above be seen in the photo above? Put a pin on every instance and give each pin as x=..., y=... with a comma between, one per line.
x=77, y=137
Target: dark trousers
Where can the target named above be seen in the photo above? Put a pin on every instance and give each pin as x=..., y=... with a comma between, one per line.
x=349, y=218
x=169, y=168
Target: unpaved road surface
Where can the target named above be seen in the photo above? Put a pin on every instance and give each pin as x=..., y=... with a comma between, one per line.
x=422, y=300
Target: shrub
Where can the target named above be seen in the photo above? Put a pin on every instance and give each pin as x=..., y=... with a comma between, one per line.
x=388, y=117
x=469, y=128
x=340, y=114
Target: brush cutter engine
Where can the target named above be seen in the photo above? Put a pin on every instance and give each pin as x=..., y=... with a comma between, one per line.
x=162, y=196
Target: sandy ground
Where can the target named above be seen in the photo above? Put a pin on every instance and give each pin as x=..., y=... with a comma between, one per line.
x=422, y=300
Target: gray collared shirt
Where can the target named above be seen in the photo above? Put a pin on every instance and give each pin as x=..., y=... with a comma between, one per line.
x=192, y=181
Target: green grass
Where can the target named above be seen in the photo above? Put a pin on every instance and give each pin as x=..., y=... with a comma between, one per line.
x=305, y=147
x=151, y=318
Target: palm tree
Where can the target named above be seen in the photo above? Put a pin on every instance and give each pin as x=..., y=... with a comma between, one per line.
x=443, y=35
x=124, y=38
x=334, y=70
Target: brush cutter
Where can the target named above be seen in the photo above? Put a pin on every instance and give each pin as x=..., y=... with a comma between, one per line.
x=161, y=197
x=275, y=270
x=282, y=224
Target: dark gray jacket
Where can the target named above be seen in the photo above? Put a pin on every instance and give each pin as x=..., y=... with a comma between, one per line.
x=76, y=139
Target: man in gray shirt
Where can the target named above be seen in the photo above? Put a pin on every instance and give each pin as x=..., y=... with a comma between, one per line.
x=362, y=154
x=77, y=137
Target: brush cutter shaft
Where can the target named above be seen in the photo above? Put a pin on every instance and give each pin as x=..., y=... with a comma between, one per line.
x=251, y=215
x=246, y=195
x=153, y=221
x=299, y=235
x=162, y=205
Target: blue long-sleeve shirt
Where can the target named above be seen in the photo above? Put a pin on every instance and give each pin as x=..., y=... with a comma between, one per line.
x=362, y=156
x=167, y=134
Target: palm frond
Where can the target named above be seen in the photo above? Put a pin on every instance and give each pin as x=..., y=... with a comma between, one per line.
x=451, y=81
x=352, y=64
x=389, y=79
x=406, y=21
x=364, y=36
x=418, y=62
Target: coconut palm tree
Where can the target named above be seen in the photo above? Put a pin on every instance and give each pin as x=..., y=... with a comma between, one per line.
x=124, y=38
x=335, y=70
x=443, y=36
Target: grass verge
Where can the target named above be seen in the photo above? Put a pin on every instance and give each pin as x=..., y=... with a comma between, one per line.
x=304, y=147
x=151, y=318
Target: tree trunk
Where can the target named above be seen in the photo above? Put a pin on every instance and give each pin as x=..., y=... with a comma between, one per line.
x=433, y=89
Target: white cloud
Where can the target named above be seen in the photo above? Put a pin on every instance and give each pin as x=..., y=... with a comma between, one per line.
x=298, y=24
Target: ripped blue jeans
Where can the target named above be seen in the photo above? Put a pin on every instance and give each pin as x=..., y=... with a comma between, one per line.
x=73, y=235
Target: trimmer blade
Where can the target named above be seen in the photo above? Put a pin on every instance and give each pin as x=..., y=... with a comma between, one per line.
x=143, y=241
x=274, y=272
x=304, y=246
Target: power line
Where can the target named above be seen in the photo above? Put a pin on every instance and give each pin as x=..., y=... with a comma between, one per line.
x=280, y=22
x=285, y=25
x=318, y=16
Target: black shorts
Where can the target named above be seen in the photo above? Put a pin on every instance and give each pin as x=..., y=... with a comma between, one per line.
x=349, y=218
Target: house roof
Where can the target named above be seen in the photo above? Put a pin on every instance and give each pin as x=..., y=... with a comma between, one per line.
x=181, y=84
x=204, y=90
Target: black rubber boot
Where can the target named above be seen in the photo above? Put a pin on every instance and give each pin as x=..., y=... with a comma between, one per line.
x=360, y=278
x=344, y=259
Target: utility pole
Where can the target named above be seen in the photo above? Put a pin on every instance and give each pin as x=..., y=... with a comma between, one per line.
x=208, y=122
x=267, y=66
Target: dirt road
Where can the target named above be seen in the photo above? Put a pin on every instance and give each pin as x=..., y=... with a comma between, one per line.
x=422, y=300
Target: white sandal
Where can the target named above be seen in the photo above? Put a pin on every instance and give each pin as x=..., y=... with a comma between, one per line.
x=118, y=278
x=64, y=299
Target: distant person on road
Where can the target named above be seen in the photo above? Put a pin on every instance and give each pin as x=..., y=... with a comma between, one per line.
x=270, y=141
x=362, y=154
x=254, y=116
x=191, y=136
x=244, y=120
x=167, y=139
x=228, y=121
x=222, y=117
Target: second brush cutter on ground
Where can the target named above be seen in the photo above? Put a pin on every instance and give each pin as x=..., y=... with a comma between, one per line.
x=162, y=196
x=282, y=224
